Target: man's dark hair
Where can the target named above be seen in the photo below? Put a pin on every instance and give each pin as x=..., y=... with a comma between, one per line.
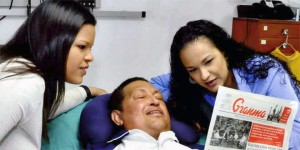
x=117, y=96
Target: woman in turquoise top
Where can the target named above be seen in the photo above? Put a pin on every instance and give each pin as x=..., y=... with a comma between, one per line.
x=204, y=57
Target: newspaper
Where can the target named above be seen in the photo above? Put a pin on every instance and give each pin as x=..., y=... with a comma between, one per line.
x=243, y=120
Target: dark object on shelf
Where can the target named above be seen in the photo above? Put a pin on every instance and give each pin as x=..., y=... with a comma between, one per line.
x=262, y=11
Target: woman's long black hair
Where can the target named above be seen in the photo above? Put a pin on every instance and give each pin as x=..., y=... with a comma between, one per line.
x=187, y=100
x=45, y=39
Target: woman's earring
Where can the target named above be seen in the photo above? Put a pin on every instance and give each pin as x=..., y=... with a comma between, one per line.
x=192, y=81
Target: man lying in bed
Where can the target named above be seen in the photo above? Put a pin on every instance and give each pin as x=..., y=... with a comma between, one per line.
x=139, y=109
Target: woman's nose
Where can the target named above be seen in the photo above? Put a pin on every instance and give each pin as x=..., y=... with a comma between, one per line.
x=204, y=74
x=89, y=57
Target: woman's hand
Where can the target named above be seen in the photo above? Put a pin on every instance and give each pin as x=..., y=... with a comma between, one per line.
x=96, y=91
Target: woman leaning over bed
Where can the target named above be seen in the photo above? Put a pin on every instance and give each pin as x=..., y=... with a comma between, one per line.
x=53, y=46
x=204, y=57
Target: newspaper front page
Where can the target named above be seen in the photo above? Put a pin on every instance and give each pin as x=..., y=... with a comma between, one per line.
x=243, y=120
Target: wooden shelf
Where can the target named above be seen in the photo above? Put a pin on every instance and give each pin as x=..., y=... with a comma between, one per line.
x=265, y=35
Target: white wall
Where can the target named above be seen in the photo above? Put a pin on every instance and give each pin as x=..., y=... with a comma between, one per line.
x=140, y=47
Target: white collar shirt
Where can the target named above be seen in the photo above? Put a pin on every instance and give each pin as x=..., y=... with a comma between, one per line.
x=140, y=140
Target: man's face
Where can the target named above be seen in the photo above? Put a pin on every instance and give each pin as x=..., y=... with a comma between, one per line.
x=144, y=109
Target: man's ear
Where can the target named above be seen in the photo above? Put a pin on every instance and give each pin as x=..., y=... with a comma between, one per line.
x=116, y=117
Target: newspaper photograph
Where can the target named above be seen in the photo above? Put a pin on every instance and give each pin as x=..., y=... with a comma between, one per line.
x=243, y=120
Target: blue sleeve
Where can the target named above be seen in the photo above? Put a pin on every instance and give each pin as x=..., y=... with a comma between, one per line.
x=280, y=85
x=162, y=83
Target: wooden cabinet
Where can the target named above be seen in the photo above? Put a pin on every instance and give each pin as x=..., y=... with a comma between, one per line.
x=266, y=35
